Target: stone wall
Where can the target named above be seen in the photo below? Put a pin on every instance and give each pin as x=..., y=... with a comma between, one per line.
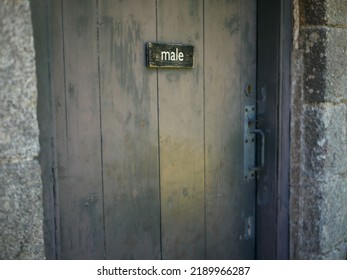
x=319, y=131
x=21, y=235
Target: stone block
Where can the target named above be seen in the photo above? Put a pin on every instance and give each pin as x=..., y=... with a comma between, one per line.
x=319, y=180
x=336, y=13
x=336, y=65
x=331, y=13
x=312, y=12
x=324, y=138
x=325, y=61
x=304, y=222
x=318, y=220
x=21, y=214
x=313, y=45
x=18, y=125
x=333, y=218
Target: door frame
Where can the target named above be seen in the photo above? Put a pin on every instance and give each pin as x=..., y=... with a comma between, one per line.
x=274, y=53
x=273, y=93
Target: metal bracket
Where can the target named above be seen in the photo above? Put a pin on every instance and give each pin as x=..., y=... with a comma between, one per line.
x=250, y=131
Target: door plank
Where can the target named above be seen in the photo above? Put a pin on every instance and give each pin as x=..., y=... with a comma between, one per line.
x=129, y=130
x=181, y=135
x=78, y=135
x=229, y=200
x=59, y=114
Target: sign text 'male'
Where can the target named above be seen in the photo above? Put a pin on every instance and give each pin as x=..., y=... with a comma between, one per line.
x=165, y=55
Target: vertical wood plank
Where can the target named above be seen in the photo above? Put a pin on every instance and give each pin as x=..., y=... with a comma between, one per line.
x=130, y=130
x=58, y=92
x=181, y=135
x=78, y=134
x=229, y=200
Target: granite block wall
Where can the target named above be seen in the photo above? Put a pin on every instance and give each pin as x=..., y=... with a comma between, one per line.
x=319, y=131
x=21, y=214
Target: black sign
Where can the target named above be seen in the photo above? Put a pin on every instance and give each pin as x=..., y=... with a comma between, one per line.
x=162, y=55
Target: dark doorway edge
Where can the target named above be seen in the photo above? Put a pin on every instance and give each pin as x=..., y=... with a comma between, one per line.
x=273, y=89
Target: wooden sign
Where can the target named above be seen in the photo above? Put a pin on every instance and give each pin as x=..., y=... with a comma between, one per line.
x=163, y=55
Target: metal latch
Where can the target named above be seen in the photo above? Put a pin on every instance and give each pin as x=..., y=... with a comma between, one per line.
x=250, y=165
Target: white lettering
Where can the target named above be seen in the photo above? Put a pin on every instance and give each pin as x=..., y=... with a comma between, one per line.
x=165, y=56
x=173, y=56
x=180, y=56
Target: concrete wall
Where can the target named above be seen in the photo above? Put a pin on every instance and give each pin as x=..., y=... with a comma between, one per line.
x=319, y=131
x=21, y=235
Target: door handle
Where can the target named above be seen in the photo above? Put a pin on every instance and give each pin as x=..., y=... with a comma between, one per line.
x=250, y=162
x=262, y=152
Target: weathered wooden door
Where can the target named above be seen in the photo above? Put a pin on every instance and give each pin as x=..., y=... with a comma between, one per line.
x=150, y=161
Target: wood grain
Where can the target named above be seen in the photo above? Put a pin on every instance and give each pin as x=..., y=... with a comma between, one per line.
x=150, y=161
x=229, y=200
x=181, y=135
x=130, y=131
x=78, y=135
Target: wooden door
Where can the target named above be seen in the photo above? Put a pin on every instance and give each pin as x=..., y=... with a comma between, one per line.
x=150, y=161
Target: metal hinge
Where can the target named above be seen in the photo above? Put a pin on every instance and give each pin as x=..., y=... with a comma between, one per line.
x=250, y=166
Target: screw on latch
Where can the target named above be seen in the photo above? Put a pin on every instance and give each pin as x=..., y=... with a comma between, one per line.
x=248, y=90
x=251, y=134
